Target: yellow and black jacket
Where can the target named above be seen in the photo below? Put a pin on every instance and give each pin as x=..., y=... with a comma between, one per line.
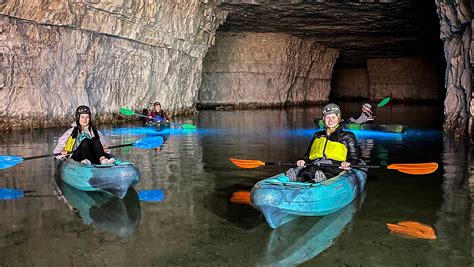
x=339, y=146
x=72, y=143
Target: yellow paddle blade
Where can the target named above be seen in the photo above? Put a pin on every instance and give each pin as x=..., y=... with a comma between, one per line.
x=241, y=197
x=414, y=168
x=247, y=163
x=413, y=229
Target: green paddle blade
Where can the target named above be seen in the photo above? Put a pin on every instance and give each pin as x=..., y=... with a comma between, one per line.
x=383, y=102
x=188, y=126
x=126, y=111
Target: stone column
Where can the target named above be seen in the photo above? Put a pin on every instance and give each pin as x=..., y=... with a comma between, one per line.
x=455, y=21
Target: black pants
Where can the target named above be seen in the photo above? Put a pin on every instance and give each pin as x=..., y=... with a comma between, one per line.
x=90, y=149
x=307, y=174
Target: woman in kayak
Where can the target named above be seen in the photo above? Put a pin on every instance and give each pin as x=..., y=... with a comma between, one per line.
x=158, y=114
x=333, y=145
x=86, y=144
x=367, y=116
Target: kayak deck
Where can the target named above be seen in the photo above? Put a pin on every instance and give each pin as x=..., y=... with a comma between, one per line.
x=114, y=179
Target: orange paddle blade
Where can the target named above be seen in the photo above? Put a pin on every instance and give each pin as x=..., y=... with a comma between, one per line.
x=247, y=163
x=241, y=197
x=414, y=168
x=413, y=229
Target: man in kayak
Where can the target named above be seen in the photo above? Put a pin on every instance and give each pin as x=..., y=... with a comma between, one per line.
x=86, y=144
x=333, y=145
x=367, y=116
x=158, y=114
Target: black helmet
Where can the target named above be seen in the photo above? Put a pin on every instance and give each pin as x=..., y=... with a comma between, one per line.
x=156, y=104
x=82, y=110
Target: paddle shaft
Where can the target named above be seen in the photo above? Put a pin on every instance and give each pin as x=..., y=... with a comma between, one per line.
x=321, y=165
x=57, y=154
x=140, y=115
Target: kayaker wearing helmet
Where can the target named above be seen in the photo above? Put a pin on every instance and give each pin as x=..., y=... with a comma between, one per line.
x=333, y=145
x=367, y=116
x=86, y=144
x=158, y=114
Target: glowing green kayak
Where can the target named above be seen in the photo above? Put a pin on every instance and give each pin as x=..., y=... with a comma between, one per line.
x=390, y=128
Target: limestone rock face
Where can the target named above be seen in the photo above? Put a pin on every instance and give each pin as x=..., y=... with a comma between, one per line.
x=403, y=79
x=57, y=55
x=185, y=25
x=351, y=83
x=266, y=69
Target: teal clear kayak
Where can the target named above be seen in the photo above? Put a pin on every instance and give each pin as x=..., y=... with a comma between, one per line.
x=114, y=179
x=281, y=200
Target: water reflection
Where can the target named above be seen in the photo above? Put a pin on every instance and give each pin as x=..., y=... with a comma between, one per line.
x=120, y=217
x=196, y=225
x=240, y=215
x=304, y=239
x=453, y=227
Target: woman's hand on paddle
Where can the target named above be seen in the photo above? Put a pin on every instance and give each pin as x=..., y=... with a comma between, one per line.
x=345, y=165
x=106, y=149
x=300, y=163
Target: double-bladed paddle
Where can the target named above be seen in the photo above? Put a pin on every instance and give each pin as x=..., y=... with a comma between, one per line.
x=129, y=112
x=408, y=168
x=144, y=143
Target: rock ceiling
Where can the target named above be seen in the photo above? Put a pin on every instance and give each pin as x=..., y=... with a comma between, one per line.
x=362, y=30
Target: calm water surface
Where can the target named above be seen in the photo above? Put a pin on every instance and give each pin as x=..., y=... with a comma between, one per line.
x=196, y=224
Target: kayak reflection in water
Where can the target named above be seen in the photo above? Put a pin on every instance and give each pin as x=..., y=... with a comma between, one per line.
x=119, y=217
x=299, y=242
x=367, y=115
x=332, y=145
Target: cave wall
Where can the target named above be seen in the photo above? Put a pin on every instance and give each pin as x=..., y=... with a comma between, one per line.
x=403, y=79
x=265, y=69
x=57, y=55
x=350, y=83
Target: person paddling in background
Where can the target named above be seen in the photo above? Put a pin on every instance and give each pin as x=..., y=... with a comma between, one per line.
x=333, y=145
x=367, y=115
x=84, y=141
x=157, y=114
